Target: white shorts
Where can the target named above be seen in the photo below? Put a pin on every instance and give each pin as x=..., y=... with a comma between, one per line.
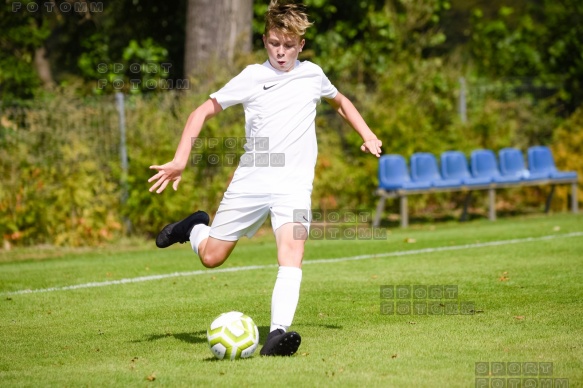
x=243, y=214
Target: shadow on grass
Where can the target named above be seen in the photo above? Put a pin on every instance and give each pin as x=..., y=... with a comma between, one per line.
x=199, y=337
x=191, y=338
x=214, y=359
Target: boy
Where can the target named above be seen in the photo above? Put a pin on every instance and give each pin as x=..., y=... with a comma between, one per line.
x=279, y=98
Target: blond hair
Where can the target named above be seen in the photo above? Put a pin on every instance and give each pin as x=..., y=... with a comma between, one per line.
x=288, y=19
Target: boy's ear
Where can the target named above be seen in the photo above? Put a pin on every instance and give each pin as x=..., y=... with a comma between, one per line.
x=302, y=43
x=264, y=42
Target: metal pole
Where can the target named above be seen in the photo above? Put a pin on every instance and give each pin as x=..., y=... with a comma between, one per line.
x=404, y=211
x=492, y=204
x=574, y=198
x=123, y=153
x=463, y=109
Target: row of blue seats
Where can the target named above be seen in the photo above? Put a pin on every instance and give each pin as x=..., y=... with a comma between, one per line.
x=482, y=170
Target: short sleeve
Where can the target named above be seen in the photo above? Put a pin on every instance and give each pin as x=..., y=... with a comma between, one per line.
x=236, y=91
x=328, y=90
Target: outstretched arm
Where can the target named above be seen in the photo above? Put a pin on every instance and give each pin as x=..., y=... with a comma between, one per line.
x=172, y=171
x=350, y=114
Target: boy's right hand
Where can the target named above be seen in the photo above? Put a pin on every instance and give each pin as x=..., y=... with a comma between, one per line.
x=169, y=172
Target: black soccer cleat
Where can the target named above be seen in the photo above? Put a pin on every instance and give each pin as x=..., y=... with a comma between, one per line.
x=179, y=232
x=280, y=343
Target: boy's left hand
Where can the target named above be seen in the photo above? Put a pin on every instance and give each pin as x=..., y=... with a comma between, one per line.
x=373, y=146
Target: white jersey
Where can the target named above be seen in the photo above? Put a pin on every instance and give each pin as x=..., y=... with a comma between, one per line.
x=280, y=111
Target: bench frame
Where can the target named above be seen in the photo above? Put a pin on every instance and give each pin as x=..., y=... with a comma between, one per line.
x=491, y=188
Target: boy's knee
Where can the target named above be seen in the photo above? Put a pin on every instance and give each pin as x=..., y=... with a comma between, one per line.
x=214, y=252
x=209, y=260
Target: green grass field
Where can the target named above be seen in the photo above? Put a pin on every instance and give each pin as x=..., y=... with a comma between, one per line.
x=81, y=325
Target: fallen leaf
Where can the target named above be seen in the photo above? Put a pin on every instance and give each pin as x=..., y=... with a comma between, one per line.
x=410, y=240
x=412, y=323
x=395, y=355
x=519, y=317
x=557, y=228
x=305, y=354
x=374, y=276
x=152, y=377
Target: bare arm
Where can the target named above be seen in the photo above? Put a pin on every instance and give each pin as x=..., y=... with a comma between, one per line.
x=350, y=114
x=172, y=171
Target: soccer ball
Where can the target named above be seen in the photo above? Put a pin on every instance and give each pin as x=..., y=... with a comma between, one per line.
x=233, y=335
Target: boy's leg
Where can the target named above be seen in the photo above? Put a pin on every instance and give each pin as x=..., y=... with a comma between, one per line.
x=194, y=228
x=212, y=252
x=290, y=238
x=179, y=232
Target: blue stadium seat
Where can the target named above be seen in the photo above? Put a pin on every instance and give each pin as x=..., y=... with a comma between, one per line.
x=512, y=164
x=454, y=165
x=483, y=164
x=424, y=169
x=541, y=162
x=394, y=175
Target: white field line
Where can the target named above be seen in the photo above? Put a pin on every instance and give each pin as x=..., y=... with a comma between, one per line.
x=306, y=262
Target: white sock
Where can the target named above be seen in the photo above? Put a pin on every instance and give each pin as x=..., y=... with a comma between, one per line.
x=197, y=234
x=284, y=300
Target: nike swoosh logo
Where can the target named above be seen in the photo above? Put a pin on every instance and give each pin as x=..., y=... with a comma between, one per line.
x=265, y=87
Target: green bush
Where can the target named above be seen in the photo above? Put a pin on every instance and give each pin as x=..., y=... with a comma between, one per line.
x=568, y=152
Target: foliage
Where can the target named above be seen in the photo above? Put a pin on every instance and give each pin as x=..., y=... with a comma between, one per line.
x=356, y=41
x=568, y=152
x=501, y=50
x=22, y=33
x=57, y=191
x=143, y=67
x=81, y=41
x=538, y=44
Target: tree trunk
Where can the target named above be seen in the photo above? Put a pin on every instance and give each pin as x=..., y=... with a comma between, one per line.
x=216, y=30
x=43, y=67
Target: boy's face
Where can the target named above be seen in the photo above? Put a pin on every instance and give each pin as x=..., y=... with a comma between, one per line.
x=282, y=50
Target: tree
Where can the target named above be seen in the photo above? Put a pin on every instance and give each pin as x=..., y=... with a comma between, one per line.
x=216, y=30
x=540, y=44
